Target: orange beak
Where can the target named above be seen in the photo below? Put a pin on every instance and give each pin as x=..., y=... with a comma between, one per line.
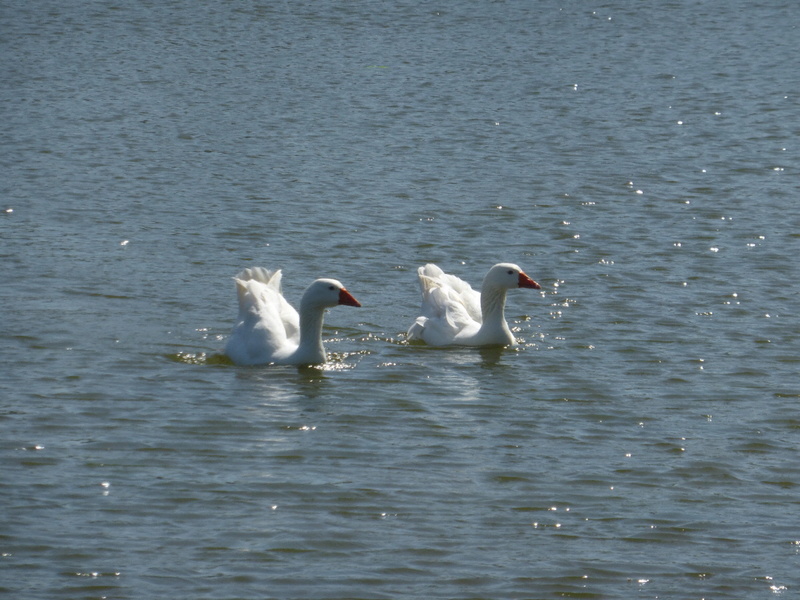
x=527, y=282
x=347, y=299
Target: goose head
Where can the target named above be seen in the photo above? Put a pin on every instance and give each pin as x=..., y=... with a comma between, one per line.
x=324, y=293
x=508, y=276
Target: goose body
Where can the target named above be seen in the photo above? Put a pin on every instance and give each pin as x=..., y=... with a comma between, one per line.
x=269, y=330
x=454, y=313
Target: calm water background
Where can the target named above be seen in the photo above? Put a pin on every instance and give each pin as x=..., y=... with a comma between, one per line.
x=640, y=160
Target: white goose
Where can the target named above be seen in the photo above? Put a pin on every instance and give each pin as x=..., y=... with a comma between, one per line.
x=454, y=313
x=269, y=330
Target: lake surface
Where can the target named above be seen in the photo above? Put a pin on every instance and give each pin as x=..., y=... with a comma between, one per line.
x=639, y=160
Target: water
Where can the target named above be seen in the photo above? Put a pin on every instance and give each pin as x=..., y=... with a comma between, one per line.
x=638, y=161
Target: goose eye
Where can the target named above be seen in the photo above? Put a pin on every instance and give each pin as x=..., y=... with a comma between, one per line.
x=331, y=288
x=510, y=272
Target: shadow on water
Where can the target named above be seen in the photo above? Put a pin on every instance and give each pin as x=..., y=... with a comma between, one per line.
x=200, y=358
x=491, y=355
x=336, y=362
x=274, y=383
x=279, y=383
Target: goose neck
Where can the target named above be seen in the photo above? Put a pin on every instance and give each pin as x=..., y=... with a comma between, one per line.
x=493, y=302
x=311, y=319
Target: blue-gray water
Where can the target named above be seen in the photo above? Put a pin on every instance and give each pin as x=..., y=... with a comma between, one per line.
x=640, y=160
